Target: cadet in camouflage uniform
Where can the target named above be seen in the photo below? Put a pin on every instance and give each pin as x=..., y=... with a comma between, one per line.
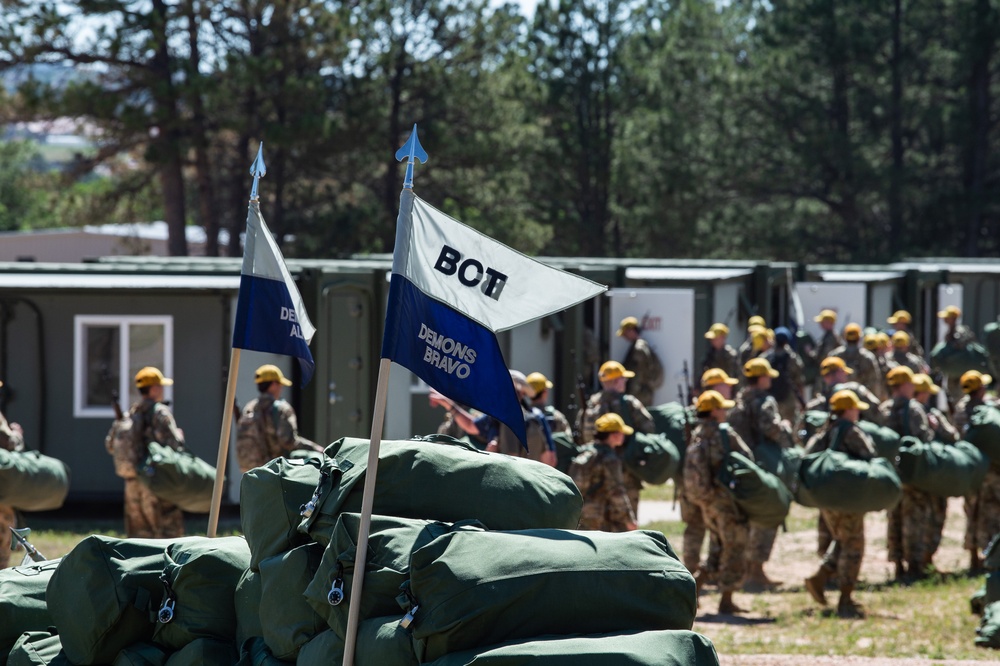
x=720, y=355
x=717, y=380
x=11, y=439
x=598, y=473
x=746, y=351
x=612, y=398
x=834, y=374
x=710, y=443
x=873, y=343
x=558, y=423
x=642, y=361
x=267, y=427
x=860, y=360
x=982, y=508
x=958, y=336
x=910, y=521
x=944, y=431
x=848, y=529
x=146, y=515
x=787, y=388
x=755, y=418
x=900, y=321
x=827, y=320
x=901, y=354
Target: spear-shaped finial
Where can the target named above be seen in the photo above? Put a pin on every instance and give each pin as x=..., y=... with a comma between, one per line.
x=411, y=151
x=257, y=169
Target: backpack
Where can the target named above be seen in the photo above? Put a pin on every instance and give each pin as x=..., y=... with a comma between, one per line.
x=655, y=369
x=119, y=445
x=781, y=386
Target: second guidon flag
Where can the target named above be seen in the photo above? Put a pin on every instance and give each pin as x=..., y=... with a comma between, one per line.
x=452, y=289
x=270, y=314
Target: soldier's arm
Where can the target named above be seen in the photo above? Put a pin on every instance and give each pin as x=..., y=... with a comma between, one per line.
x=11, y=439
x=736, y=443
x=769, y=423
x=697, y=474
x=919, y=425
x=858, y=444
x=642, y=420
x=165, y=429
x=620, y=509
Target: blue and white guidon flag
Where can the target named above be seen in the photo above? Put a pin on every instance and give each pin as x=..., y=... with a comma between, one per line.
x=270, y=314
x=452, y=289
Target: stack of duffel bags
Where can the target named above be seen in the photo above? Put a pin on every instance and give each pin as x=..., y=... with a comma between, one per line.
x=986, y=600
x=472, y=558
x=125, y=602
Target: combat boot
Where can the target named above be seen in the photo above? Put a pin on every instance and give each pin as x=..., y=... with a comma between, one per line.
x=900, y=570
x=846, y=608
x=727, y=606
x=816, y=584
x=975, y=564
x=699, y=581
x=756, y=580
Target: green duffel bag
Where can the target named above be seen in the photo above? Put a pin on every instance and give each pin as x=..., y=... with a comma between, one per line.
x=645, y=648
x=22, y=602
x=287, y=621
x=984, y=430
x=439, y=478
x=391, y=541
x=762, y=496
x=104, y=595
x=780, y=461
x=254, y=652
x=205, y=651
x=142, y=654
x=812, y=421
x=651, y=457
x=834, y=481
x=178, y=477
x=468, y=589
x=954, y=362
x=988, y=633
x=38, y=648
x=676, y=423
x=566, y=450
x=944, y=470
x=247, y=602
x=886, y=440
x=30, y=481
x=271, y=497
x=380, y=642
x=199, y=580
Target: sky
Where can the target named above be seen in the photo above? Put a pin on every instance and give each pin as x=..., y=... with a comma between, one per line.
x=527, y=6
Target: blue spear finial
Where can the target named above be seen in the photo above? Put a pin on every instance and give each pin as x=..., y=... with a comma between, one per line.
x=257, y=169
x=411, y=151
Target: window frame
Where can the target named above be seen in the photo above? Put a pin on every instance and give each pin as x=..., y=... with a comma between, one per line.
x=81, y=323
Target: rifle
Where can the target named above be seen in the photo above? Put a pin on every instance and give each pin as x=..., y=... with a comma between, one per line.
x=581, y=396
x=114, y=404
x=31, y=553
x=687, y=384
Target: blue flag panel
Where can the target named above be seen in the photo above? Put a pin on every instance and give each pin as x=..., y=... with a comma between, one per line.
x=452, y=353
x=266, y=322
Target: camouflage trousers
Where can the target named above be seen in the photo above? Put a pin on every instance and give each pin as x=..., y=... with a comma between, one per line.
x=911, y=533
x=8, y=519
x=694, y=535
x=939, y=513
x=983, y=512
x=761, y=543
x=633, y=486
x=149, y=517
x=731, y=527
x=848, y=532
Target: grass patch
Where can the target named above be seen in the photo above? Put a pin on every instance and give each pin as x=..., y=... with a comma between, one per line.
x=661, y=493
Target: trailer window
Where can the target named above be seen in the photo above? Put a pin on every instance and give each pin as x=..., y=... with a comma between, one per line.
x=108, y=351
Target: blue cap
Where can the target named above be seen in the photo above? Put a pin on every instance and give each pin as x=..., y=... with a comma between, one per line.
x=782, y=335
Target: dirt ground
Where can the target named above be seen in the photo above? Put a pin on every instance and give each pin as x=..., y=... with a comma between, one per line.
x=794, y=558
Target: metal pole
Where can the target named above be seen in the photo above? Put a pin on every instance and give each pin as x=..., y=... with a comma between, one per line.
x=227, y=421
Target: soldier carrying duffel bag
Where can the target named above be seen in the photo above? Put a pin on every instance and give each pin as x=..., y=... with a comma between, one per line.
x=146, y=515
x=847, y=527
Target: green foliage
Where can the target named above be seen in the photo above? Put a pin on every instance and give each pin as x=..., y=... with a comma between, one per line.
x=812, y=130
